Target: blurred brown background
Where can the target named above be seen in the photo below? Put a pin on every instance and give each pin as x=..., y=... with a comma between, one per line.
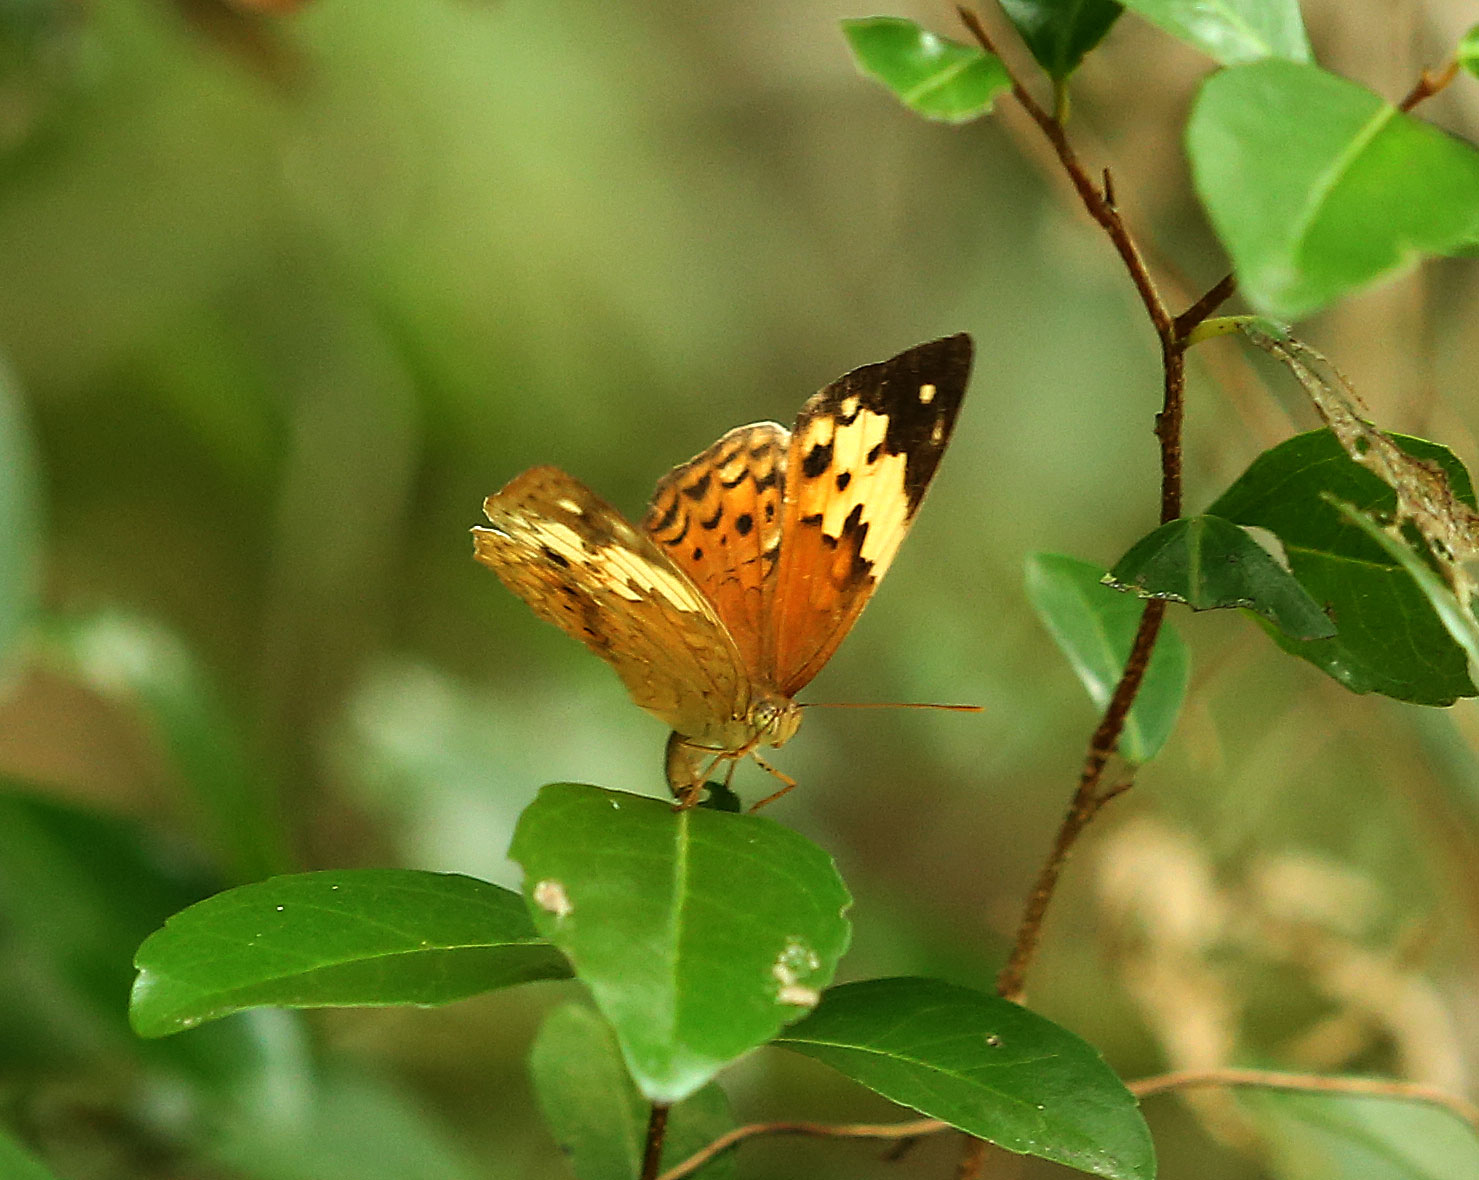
x=285, y=296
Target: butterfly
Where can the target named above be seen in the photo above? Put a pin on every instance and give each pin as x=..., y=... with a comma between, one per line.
x=753, y=560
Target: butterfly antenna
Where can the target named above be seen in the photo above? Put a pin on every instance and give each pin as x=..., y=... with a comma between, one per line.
x=889, y=705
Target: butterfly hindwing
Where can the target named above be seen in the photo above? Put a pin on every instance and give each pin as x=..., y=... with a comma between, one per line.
x=861, y=457
x=718, y=517
x=580, y=565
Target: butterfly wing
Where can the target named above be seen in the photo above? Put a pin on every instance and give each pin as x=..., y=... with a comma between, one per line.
x=581, y=566
x=718, y=518
x=861, y=457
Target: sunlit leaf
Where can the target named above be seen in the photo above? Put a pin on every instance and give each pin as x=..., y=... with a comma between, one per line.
x=597, y=1114
x=985, y=1065
x=1389, y=639
x=1233, y=32
x=1346, y=1137
x=1094, y=627
x=1467, y=53
x=1209, y=564
x=1313, y=208
x=350, y=938
x=932, y=76
x=699, y=933
x=1060, y=32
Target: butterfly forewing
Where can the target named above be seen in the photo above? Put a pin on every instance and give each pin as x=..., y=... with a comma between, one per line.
x=718, y=517
x=861, y=457
x=580, y=565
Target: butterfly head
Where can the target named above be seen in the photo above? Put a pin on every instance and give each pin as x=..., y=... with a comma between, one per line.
x=775, y=719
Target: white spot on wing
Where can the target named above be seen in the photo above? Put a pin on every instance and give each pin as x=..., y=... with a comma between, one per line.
x=926, y=394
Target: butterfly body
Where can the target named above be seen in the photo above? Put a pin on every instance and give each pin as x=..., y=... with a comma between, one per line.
x=753, y=560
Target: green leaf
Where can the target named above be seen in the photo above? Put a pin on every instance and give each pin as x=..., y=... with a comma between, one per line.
x=353, y=938
x=147, y=668
x=1060, y=32
x=1094, y=627
x=1467, y=53
x=20, y=566
x=983, y=1064
x=16, y=1163
x=932, y=76
x=1233, y=32
x=1389, y=641
x=1210, y=564
x=1456, y=619
x=596, y=1112
x=699, y=933
x=1315, y=207
x=1345, y=1137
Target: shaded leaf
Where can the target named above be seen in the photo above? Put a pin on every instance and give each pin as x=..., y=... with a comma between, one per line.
x=147, y=668
x=699, y=933
x=1209, y=563
x=1344, y=1137
x=1060, y=32
x=350, y=938
x=1094, y=627
x=983, y=1064
x=1389, y=639
x=1457, y=619
x=16, y=1163
x=1313, y=208
x=932, y=76
x=597, y=1114
x=1233, y=32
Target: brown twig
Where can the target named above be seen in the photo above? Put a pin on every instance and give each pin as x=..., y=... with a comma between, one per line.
x=657, y=1127
x=1099, y=202
x=911, y=1130
x=1429, y=83
x=1310, y=1084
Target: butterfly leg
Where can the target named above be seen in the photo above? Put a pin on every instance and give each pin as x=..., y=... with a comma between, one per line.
x=785, y=778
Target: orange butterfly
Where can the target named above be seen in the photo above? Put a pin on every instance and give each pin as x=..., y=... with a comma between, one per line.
x=753, y=561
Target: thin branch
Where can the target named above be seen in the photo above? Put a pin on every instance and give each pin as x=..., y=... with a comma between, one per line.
x=911, y=1130
x=1309, y=1084
x=1094, y=201
x=1087, y=800
x=657, y=1127
x=1429, y=83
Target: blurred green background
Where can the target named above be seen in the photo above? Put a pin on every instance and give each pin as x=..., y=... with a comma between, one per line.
x=283, y=296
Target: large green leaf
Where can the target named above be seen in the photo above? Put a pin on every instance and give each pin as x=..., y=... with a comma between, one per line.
x=1209, y=564
x=1311, y=208
x=597, y=1114
x=932, y=76
x=350, y=938
x=1345, y=1137
x=16, y=1163
x=1060, y=32
x=146, y=667
x=1390, y=640
x=1094, y=627
x=1233, y=32
x=19, y=519
x=1457, y=619
x=699, y=933
x=983, y=1064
